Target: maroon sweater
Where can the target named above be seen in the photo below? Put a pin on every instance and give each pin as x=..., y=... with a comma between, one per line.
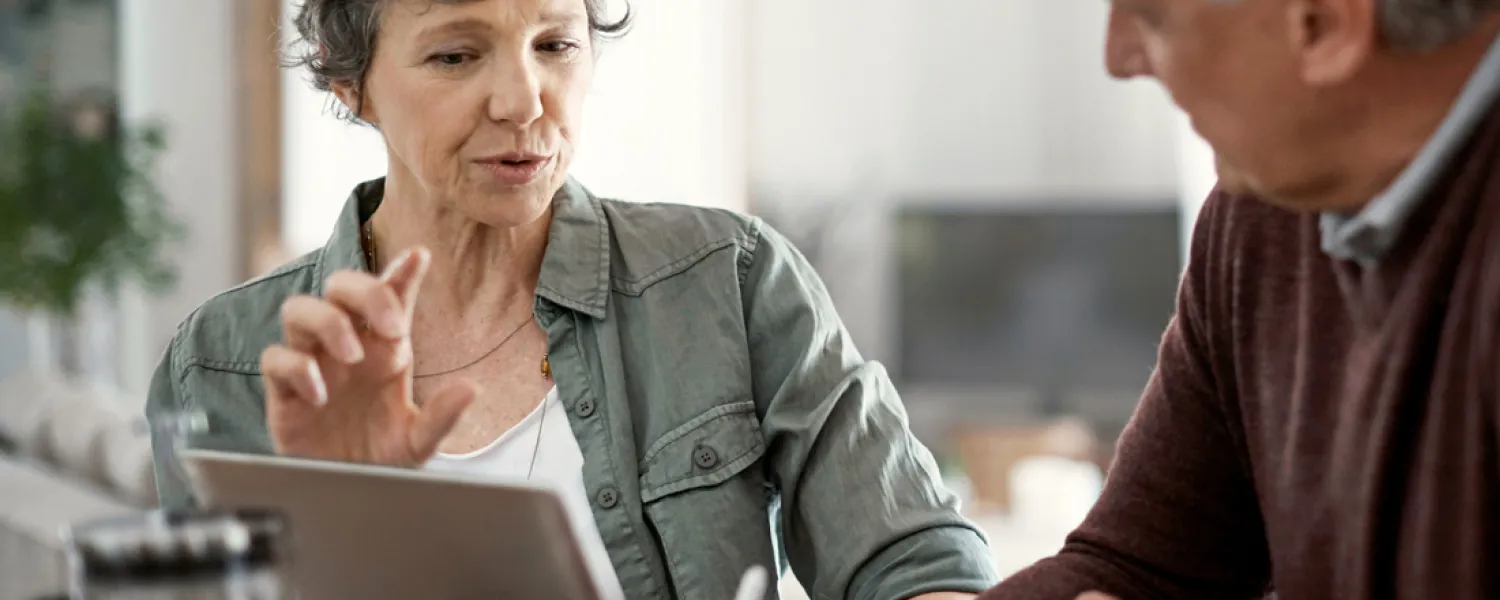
x=1313, y=427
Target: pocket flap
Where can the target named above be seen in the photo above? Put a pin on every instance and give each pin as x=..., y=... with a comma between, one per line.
x=702, y=452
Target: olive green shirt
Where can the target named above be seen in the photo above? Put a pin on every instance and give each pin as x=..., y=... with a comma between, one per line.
x=724, y=416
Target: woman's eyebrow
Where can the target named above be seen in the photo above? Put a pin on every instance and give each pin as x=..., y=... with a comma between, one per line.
x=461, y=25
x=564, y=16
x=549, y=18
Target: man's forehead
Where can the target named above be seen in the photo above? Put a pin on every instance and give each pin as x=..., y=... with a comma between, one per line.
x=1183, y=7
x=1162, y=3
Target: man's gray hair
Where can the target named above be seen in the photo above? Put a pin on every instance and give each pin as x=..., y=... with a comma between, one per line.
x=337, y=40
x=1420, y=25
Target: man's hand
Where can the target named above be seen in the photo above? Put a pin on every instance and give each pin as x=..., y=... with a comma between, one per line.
x=1097, y=596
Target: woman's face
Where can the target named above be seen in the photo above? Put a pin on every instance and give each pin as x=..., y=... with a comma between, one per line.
x=480, y=101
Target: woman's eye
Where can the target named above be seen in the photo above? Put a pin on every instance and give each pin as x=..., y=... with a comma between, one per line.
x=449, y=59
x=558, y=47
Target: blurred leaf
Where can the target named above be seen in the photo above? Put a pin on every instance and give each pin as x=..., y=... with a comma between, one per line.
x=78, y=207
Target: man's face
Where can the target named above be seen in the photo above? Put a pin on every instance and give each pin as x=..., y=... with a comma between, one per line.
x=1253, y=76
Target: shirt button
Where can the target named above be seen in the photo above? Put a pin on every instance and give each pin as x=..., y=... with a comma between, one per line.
x=608, y=497
x=705, y=457
x=585, y=407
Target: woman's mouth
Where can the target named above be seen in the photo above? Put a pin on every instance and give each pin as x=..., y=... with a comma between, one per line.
x=514, y=168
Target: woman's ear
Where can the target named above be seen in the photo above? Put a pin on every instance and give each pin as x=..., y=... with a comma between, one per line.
x=355, y=101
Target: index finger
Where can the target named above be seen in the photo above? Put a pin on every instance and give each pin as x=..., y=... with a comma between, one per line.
x=404, y=275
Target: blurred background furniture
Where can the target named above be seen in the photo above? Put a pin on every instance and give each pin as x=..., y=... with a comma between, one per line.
x=70, y=453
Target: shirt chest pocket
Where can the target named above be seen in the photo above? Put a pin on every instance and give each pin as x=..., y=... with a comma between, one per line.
x=705, y=496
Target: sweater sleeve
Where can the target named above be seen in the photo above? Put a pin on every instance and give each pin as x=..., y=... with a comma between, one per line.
x=1178, y=517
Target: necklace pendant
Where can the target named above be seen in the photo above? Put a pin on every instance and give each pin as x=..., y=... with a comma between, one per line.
x=546, y=367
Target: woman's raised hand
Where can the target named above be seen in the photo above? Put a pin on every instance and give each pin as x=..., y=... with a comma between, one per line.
x=339, y=385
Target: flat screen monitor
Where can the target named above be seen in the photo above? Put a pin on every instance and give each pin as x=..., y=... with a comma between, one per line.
x=1060, y=310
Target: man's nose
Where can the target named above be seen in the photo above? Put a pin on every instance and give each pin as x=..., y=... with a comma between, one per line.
x=1124, y=55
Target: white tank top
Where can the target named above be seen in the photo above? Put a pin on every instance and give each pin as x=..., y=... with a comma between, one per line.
x=546, y=436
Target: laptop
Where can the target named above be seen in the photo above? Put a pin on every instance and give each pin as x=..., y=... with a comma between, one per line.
x=376, y=533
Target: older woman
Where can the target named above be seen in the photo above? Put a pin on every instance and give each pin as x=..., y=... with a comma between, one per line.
x=678, y=371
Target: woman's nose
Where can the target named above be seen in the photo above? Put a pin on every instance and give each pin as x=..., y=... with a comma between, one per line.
x=516, y=95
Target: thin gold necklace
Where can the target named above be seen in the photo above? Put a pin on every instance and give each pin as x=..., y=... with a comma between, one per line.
x=369, y=239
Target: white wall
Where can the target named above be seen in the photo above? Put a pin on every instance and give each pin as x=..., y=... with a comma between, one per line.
x=664, y=122
x=1196, y=176
x=825, y=83
x=177, y=65
x=322, y=158
x=1011, y=98
x=955, y=98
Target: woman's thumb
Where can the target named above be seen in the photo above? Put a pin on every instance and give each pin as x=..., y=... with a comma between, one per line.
x=439, y=417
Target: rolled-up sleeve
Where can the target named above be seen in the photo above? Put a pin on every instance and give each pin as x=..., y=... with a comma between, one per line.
x=163, y=404
x=864, y=512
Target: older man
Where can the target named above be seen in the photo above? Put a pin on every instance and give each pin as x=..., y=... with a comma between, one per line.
x=1324, y=421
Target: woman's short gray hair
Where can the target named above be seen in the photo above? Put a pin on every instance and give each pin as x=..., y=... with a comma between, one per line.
x=337, y=40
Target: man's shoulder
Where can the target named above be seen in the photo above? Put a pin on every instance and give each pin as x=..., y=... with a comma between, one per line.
x=1244, y=229
x=230, y=330
x=652, y=241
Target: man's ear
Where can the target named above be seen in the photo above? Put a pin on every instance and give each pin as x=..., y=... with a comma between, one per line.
x=1332, y=38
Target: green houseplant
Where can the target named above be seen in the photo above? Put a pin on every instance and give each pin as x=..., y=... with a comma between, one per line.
x=79, y=210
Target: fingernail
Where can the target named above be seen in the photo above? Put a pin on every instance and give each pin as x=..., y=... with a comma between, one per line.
x=397, y=264
x=350, y=351
x=320, y=390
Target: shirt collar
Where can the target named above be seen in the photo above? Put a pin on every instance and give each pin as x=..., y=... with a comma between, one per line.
x=1367, y=235
x=575, y=267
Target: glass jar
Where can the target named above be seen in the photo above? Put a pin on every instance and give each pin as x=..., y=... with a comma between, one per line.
x=173, y=432
x=180, y=556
